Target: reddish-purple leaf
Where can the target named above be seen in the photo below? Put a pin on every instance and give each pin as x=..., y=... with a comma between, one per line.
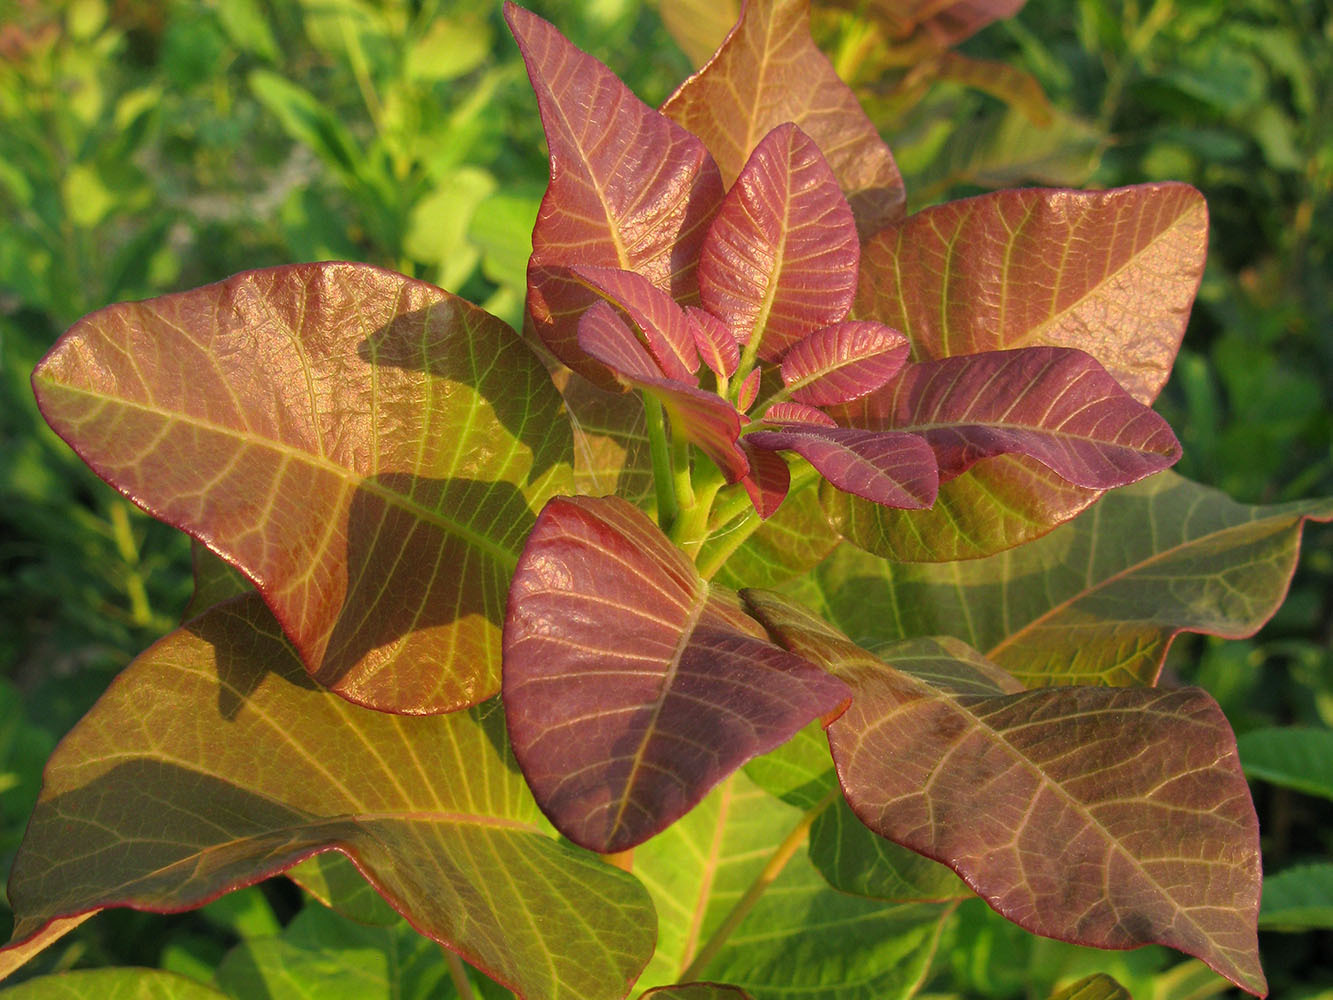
x=1112, y=817
x=1053, y=404
x=632, y=687
x=843, y=362
x=781, y=255
x=885, y=467
x=769, y=71
x=668, y=334
x=704, y=417
x=714, y=341
x=797, y=413
x=213, y=762
x=748, y=391
x=366, y=448
x=629, y=188
x=768, y=480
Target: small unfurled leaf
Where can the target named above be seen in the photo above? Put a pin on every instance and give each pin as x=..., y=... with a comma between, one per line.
x=1053, y=404
x=748, y=391
x=843, y=362
x=768, y=480
x=780, y=258
x=633, y=687
x=1111, y=817
x=1096, y=987
x=704, y=417
x=768, y=72
x=797, y=413
x=1098, y=600
x=890, y=468
x=629, y=188
x=366, y=448
x=714, y=342
x=666, y=331
x=212, y=763
x=1301, y=759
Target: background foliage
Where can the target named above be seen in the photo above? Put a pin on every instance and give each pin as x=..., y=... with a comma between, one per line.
x=149, y=147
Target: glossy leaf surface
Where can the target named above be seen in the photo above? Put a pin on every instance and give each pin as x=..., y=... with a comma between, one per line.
x=1112, y=273
x=769, y=71
x=632, y=687
x=213, y=762
x=1098, y=600
x=779, y=260
x=629, y=188
x=1054, y=405
x=366, y=448
x=668, y=336
x=883, y=467
x=843, y=362
x=1111, y=817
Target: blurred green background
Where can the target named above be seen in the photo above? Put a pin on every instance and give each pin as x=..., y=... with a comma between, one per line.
x=147, y=147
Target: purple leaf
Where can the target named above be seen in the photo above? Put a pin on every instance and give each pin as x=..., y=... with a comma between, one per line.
x=1111, y=817
x=705, y=418
x=780, y=258
x=748, y=391
x=629, y=188
x=632, y=687
x=888, y=468
x=843, y=362
x=768, y=480
x=1056, y=405
x=797, y=413
x=669, y=335
x=769, y=71
x=714, y=341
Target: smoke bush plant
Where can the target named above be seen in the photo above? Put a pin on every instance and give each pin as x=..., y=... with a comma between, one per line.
x=849, y=532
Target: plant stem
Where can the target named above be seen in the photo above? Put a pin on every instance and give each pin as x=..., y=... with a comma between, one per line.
x=680, y=466
x=141, y=612
x=776, y=862
x=663, y=480
x=458, y=973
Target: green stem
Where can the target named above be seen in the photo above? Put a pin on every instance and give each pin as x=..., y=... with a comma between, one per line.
x=663, y=480
x=772, y=869
x=691, y=529
x=680, y=471
x=141, y=611
x=458, y=973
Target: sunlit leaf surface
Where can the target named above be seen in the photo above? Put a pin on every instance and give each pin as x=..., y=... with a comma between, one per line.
x=632, y=687
x=366, y=448
x=1095, y=987
x=629, y=188
x=1111, y=817
x=843, y=362
x=1098, y=600
x=113, y=984
x=769, y=71
x=213, y=762
x=1112, y=273
x=884, y=467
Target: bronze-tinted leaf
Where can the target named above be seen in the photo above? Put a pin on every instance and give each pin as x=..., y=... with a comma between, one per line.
x=1112, y=817
x=633, y=687
x=667, y=334
x=779, y=260
x=368, y=449
x=213, y=762
x=843, y=362
x=769, y=71
x=629, y=188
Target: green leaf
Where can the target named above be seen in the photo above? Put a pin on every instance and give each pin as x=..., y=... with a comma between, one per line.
x=1301, y=759
x=1299, y=898
x=245, y=24
x=367, y=448
x=213, y=762
x=1095, y=987
x=1098, y=600
x=112, y=984
x=215, y=580
x=333, y=880
x=320, y=956
x=308, y=121
x=786, y=545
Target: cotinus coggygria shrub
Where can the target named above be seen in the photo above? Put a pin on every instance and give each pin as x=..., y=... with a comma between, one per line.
x=807, y=566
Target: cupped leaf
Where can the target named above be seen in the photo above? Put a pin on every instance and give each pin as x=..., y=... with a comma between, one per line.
x=629, y=188
x=1112, y=273
x=667, y=334
x=211, y=763
x=703, y=417
x=769, y=71
x=368, y=449
x=113, y=984
x=632, y=687
x=843, y=362
x=1111, y=817
x=1055, y=405
x=780, y=258
x=1098, y=600
x=886, y=467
